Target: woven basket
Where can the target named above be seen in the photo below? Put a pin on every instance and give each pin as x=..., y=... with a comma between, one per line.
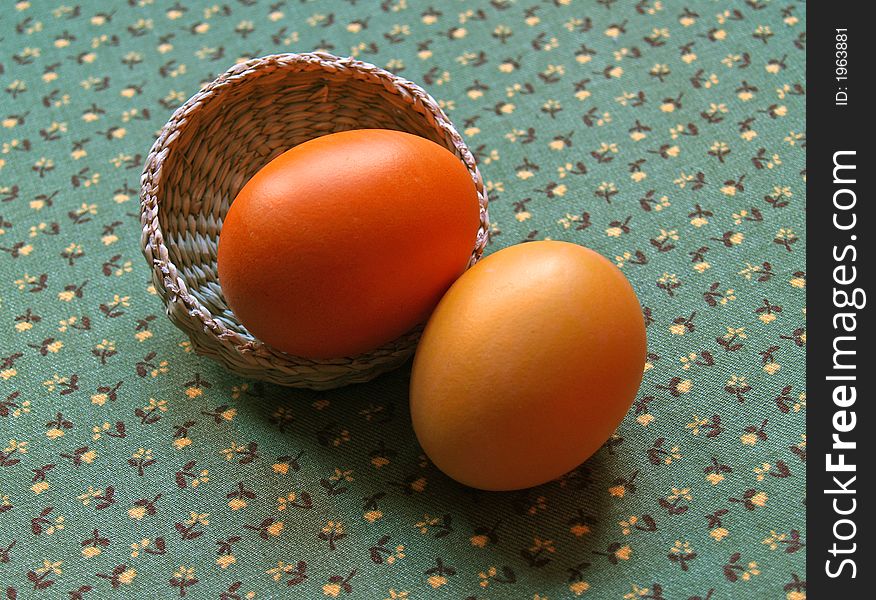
x=210, y=148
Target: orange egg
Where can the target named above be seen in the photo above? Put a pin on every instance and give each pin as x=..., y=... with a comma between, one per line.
x=347, y=241
x=527, y=365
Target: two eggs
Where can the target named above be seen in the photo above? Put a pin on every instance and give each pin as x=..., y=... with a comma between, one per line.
x=529, y=360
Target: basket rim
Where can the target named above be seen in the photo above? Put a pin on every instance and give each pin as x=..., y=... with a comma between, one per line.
x=152, y=240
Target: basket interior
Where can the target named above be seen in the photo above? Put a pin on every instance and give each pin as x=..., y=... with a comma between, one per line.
x=228, y=139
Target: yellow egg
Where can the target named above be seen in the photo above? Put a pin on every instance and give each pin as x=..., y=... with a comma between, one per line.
x=527, y=365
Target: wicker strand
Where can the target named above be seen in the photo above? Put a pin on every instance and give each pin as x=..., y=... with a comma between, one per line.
x=220, y=138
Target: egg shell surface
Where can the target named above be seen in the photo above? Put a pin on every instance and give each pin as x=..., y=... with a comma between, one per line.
x=347, y=241
x=527, y=366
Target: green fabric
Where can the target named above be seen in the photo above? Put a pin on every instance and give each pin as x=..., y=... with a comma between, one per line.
x=671, y=140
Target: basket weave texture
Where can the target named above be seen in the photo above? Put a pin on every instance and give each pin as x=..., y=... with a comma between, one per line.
x=215, y=142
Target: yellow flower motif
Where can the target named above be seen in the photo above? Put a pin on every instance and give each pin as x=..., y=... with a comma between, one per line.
x=237, y=503
x=737, y=332
x=773, y=539
x=184, y=572
x=671, y=234
x=277, y=572
x=50, y=567
x=479, y=541
x=539, y=504
x=485, y=576
x=645, y=419
x=748, y=439
x=800, y=404
x=786, y=233
x=539, y=544
x=230, y=452
x=97, y=431
x=613, y=32
x=339, y=475
x=372, y=515
x=668, y=278
x=15, y=446
x=398, y=554
x=793, y=138
x=333, y=527
x=202, y=476
x=680, y=547
x=142, y=453
x=628, y=524
x=182, y=442
x=284, y=501
x=138, y=547
x=683, y=493
x=199, y=518
x=379, y=461
x=674, y=454
x=579, y=587
x=105, y=345
x=159, y=405
x=127, y=576
x=637, y=592
x=715, y=478
x=618, y=491
x=426, y=523
x=677, y=329
x=225, y=560
x=759, y=499
x=751, y=570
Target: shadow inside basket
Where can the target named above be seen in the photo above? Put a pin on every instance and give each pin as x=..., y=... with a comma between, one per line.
x=238, y=130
